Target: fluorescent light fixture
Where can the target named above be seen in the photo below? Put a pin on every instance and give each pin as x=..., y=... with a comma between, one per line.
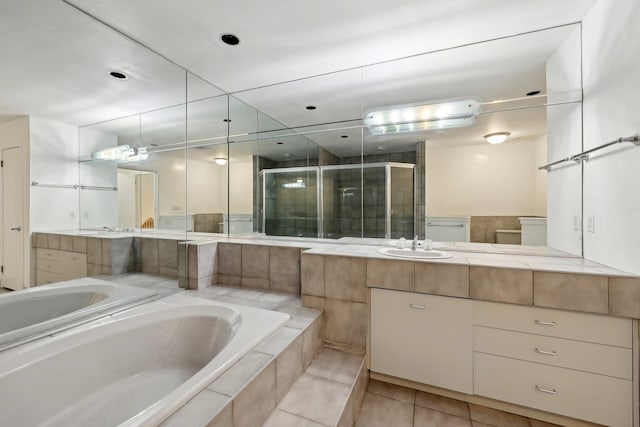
x=422, y=116
x=114, y=153
x=140, y=154
x=497, y=137
x=220, y=161
x=298, y=183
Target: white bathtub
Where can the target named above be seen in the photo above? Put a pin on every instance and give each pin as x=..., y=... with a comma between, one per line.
x=134, y=368
x=31, y=313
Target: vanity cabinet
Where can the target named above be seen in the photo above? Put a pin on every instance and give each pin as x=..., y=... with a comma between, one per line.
x=423, y=338
x=573, y=364
x=56, y=266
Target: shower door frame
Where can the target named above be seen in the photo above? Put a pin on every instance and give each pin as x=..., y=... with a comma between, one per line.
x=319, y=170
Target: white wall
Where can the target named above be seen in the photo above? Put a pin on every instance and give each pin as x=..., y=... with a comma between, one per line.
x=54, y=160
x=611, y=44
x=241, y=187
x=126, y=198
x=483, y=179
x=540, y=177
x=98, y=208
x=564, y=138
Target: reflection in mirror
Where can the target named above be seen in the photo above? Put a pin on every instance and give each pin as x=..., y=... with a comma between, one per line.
x=467, y=188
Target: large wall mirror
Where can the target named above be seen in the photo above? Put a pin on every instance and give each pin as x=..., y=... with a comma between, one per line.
x=387, y=151
x=446, y=182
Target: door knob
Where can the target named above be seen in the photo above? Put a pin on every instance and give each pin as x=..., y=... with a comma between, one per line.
x=18, y=228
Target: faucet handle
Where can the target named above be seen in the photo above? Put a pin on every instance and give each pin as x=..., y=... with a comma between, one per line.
x=428, y=244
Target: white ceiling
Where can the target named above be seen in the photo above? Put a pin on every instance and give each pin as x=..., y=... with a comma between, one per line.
x=289, y=39
x=56, y=62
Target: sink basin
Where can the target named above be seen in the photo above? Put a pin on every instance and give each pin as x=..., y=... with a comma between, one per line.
x=417, y=254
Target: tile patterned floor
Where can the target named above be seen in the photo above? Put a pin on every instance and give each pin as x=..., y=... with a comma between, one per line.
x=388, y=405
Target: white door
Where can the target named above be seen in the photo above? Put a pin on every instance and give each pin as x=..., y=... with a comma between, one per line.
x=12, y=216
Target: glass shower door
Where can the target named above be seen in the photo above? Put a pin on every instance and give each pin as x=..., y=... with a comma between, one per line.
x=291, y=202
x=402, y=205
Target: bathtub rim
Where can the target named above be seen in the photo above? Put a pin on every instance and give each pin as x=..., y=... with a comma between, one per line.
x=118, y=297
x=241, y=342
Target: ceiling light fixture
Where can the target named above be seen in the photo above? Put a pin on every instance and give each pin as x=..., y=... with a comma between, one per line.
x=220, y=161
x=533, y=93
x=230, y=39
x=422, y=116
x=118, y=75
x=310, y=107
x=344, y=136
x=497, y=137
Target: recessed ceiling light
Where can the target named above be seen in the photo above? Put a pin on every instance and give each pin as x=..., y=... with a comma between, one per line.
x=533, y=93
x=226, y=120
x=287, y=155
x=279, y=143
x=310, y=107
x=380, y=148
x=497, y=137
x=344, y=136
x=230, y=39
x=118, y=75
x=220, y=161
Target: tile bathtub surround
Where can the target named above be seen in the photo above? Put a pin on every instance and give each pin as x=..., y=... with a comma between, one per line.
x=196, y=264
x=275, y=268
x=248, y=392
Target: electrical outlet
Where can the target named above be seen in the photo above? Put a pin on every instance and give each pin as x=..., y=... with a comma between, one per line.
x=576, y=223
x=85, y=214
x=72, y=214
x=591, y=223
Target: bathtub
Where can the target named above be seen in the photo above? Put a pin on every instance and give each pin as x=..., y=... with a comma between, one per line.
x=32, y=313
x=134, y=368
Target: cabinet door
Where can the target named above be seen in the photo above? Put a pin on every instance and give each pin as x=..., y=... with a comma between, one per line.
x=423, y=338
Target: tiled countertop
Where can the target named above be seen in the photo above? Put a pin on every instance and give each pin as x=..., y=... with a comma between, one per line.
x=541, y=277
x=538, y=258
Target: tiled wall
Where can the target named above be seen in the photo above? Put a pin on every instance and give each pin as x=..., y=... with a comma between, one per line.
x=338, y=285
x=208, y=223
x=117, y=255
x=483, y=228
x=274, y=268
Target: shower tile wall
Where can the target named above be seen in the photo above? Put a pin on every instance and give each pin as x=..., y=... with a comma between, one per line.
x=291, y=211
x=354, y=199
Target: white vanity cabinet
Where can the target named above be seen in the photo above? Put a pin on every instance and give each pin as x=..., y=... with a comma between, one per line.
x=423, y=338
x=573, y=364
x=56, y=266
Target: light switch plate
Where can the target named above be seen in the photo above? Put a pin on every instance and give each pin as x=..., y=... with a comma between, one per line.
x=591, y=223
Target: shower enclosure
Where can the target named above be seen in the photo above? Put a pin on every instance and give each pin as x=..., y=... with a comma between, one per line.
x=359, y=200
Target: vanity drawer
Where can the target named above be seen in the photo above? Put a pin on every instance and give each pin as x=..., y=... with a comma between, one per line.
x=60, y=256
x=596, y=398
x=583, y=356
x=68, y=265
x=555, y=323
x=46, y=277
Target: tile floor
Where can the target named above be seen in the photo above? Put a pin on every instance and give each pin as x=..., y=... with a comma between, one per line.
x=387, y=405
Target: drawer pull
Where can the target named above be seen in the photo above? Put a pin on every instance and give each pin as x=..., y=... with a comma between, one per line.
x=418, y=307
x=546, y=390
x=543, y=323
x=545, y=352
